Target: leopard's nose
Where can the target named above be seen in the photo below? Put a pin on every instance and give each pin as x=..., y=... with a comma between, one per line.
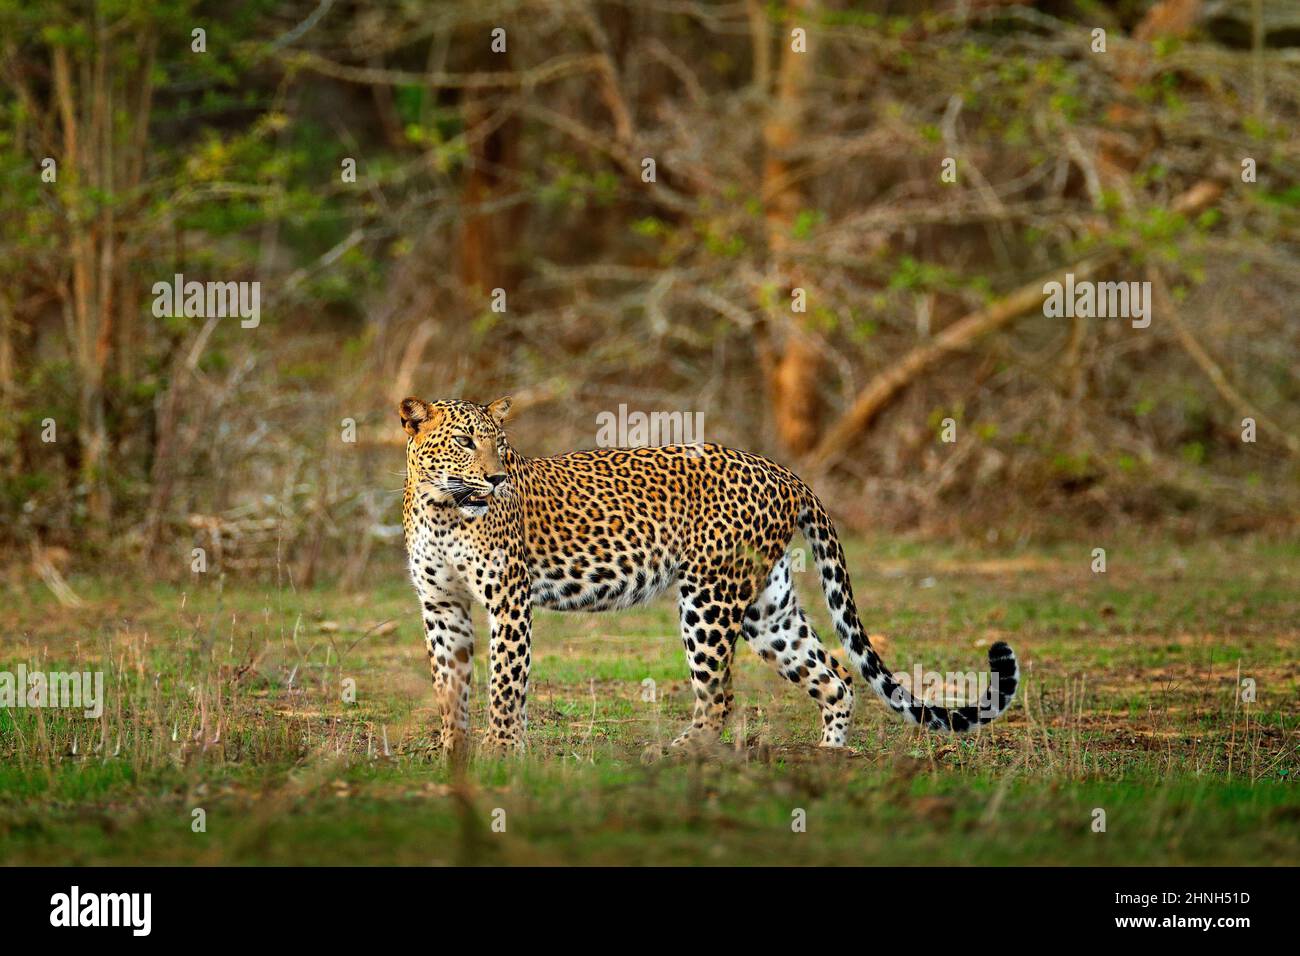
x=495, y=480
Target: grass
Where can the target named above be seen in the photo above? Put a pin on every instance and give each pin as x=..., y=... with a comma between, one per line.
x=232, y=699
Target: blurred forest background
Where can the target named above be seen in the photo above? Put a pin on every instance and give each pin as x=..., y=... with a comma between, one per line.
x=525, y=171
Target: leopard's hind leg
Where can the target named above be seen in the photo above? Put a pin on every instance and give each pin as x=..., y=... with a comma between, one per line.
x=710, y=608
x=780, y=632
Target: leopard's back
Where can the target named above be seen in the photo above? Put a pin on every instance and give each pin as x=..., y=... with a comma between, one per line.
x=609, y=528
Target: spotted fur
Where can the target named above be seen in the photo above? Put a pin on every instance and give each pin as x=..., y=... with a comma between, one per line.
x=610, y=528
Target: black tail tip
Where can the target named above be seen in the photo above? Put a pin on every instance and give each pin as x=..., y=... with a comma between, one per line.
x=1002, y=661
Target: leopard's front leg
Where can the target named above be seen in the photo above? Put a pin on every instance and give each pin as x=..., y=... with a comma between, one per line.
x=449, y=638
x=509, y=656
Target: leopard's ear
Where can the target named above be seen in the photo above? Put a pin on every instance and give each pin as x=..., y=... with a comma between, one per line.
x=499, y=410
x=415, y=413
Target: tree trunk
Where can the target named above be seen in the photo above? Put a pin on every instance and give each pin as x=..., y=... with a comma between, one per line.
x=492, y=153
x=102, y=164
x=82, y=295
x=793, y=366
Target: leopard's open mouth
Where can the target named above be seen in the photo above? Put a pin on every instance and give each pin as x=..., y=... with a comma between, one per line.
x=466, y=496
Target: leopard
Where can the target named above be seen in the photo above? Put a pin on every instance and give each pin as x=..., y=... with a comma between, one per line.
x=606, y=529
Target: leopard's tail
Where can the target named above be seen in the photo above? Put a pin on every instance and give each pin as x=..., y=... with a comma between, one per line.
x=829, y=555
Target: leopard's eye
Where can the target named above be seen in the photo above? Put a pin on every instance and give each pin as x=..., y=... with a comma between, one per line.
x=464, y=441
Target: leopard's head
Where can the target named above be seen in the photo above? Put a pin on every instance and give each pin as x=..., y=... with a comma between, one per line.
x=454, y=449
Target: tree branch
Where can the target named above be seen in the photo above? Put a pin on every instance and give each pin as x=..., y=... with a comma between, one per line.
x=885, y=387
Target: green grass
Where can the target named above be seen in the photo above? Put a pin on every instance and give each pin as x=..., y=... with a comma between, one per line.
x=227, y=697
